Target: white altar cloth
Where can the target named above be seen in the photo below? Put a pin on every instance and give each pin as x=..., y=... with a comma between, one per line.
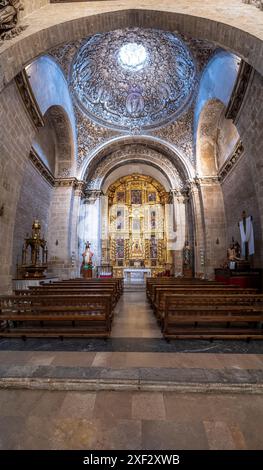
x=136, y=274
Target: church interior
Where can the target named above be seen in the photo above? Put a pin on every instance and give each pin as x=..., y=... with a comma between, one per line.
x=131, y=225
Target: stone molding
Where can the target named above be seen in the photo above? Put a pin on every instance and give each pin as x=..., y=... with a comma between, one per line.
x=231, y=161
x=245, y=74
x=74, y=183
x=132, y=152
x=91, y=196
x=207, y=180
x=28, y=98
x=41, y=167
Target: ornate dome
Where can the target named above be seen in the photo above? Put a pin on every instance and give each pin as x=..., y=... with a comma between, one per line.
x=133, y=79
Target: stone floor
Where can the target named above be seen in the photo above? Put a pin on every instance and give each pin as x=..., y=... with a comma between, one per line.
x=117, y=408
x=35, y=419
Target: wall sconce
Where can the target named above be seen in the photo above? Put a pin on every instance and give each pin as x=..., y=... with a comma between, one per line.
x=217, y=241
x=2, y=210
x=56, y=243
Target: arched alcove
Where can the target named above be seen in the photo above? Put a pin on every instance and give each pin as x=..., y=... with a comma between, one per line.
x=206, y=138
x=53, y=98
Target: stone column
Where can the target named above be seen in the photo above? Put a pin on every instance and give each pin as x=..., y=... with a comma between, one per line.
x=169, y=229
x=192, y=189
x=214, y=223
x=92, y=225
x=62, y=231
x=105, y=258
x=76, y=259
x=179, y=229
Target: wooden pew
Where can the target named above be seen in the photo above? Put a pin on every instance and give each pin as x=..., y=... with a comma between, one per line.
x=74, y=316
x=70, y=291
x=213, y=321
x=189, y=292
x=151, y=286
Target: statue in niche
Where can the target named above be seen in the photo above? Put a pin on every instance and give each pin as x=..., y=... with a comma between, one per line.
x=137, y=249
x=9, y=17
x=187, y=255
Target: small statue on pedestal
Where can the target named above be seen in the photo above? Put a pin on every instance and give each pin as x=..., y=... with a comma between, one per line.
x=233, y=254
x=34, y=254
x=87, y=264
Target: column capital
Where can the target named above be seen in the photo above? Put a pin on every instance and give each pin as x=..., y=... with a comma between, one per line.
x=91, y=195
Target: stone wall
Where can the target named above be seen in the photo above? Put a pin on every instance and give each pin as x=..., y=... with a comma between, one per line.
x=239, y=194
x=34, y=202
x=16, y=135
x=214, y=226
x=32, y=5
x=250, y=125
x=243, y=189
x=62, y=232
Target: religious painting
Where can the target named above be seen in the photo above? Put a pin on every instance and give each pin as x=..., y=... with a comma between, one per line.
x=120, y=197
x=136, y=196
x=153, y=220
x=120, y=248
x=153, y=248
x=137, y=249
x=152, y=197
x=136, y=225
x=120, y=219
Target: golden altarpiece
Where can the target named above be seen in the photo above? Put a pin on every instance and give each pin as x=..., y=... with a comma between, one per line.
x=136, y=223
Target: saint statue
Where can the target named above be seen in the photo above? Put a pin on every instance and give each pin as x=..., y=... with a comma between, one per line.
x=187, y=255
x=233, y=254
x=87, y=257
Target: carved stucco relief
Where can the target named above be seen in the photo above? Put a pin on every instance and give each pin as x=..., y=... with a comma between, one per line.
x=130, y=152
x=91, y=134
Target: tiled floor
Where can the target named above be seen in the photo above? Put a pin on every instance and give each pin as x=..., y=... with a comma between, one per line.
x=39, y=419
x=134, y=318
x=129, y=420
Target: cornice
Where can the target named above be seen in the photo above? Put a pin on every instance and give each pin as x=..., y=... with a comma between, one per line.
x=239, y=92
x=231, y=161
x=41, y=167
x=29, y=100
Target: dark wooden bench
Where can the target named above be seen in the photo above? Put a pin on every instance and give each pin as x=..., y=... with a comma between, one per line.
x=212, y=319
x=74, y=316
x=189, y=292
x=39, y=291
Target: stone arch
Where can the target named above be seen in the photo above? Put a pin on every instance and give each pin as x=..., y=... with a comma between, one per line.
x=53, y=142
x=206, y=141
x=146, y=146
x=135, y=167
x=52, y=95
x=246, y=40
x=61, y=125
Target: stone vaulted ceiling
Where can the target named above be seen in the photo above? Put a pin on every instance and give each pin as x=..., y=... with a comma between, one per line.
x=133, y=79
x=169, y=120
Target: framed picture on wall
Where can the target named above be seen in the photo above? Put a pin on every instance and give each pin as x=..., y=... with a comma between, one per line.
x=136, y=196
x=152, y=196
x=120, y=197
